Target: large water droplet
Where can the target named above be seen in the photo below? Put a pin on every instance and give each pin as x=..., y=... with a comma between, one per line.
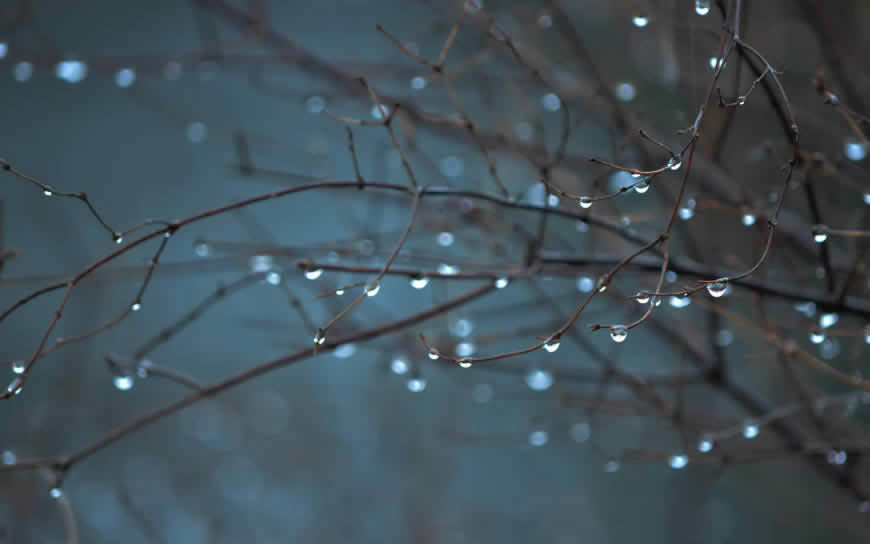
x=718, y=288
x=678, y=461
x=702, y=7
x=123, y=383
x=552, y=345
x=618, y=333
x=585, y=202
x=640, y=20
x=419, y=282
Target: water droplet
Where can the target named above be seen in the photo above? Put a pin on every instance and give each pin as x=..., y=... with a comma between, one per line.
x=580, y=432
x=854, y=150
x=642, y=297
x=686, y=213
x=713, y=62
x=642, y=186
x=9, y=457
x=19, y=366
x=136, y=306
x=501, y=283
x=552, y=200
x=820, y=233
x=345, y=351
x=55, y=493
x=144, y=368
x=418, y=83
x=315, y=104
x=741, y=100
x=602, y=284
x=538, y=438
x=678, y=461
x=828, y=319
x=22, y=71
x=380, y=112
x=551, y=102
x=748, y=219
x=47, y=192
x=817, y=336
x=433, y=354
x=452, y=166
x=464, y=363
x=680, y=302
x=339, y=292
x=445, y=239
x=125, y=77
x=625, y=91
x=123, y=383
x=674, y=163
x=419, y=282
x=416, y=385
x=464, y=349
x=462, y=328
x=273, y=278
x=201, y=249
x=640, y=20
x=399, y=366
x=718, y=288
x=71, y=71
x=585, y=202
x=750, y=430
x=373, y=289
x=618, y=333
x=724, y=338
x=313, y=273
x=552, y=345
x=197, y=132
x=837, y=457
x=705, y=445
x=320, y=337
x=14, y=386
x=585, y=284
x=538, y=379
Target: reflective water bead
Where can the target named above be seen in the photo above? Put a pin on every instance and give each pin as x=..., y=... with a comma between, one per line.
x=642, y=297
x=702, y=7
x=585, y=284
x=618, y=333
x=200, y=249
x=538, y=438
x=416, y=385
x=820, y=233
x=642, y=186
x=674, y=163
x=313, y=273
x=55, y=493
x=373, y=289
x=854, y=150
x=640, y=20
x=320, y=337
x=123, y=383
x=828, y=319
x=718, y=288
x=399, y=366
x=136, y=306
x=552, y=345
x=273, y=278
x=433, y=354
x=46, y=192
x=419, y=282
x=9, y=457
x=678, y=461
x=125, y=77
x=118, y=239
x=705, y=445
x=464, y=363
x=680, y=302
x=750, y=430
x=816, y=336
x=339, y=292
x=19, y=366
x=501, y=283
x=14, y=386
x=71, y=71
x=445, y=239
x=538, y=379
x=748, y=219
x=585, y=202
